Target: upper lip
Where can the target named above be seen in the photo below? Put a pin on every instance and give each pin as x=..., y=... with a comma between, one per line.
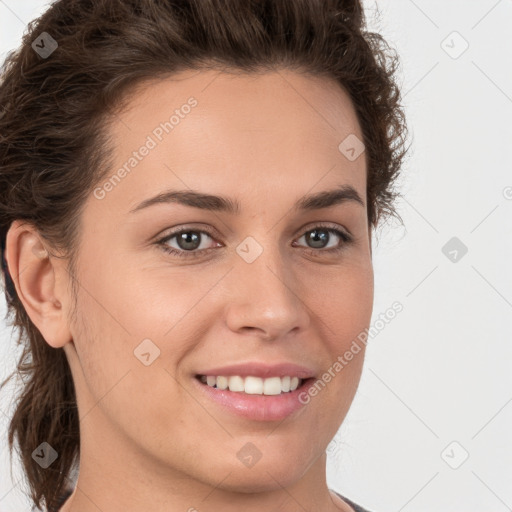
x=260, y=369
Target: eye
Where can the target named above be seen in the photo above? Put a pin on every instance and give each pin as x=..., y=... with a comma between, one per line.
x=190, y=241
x=320, y=236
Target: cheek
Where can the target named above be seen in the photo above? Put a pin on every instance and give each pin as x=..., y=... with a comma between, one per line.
x=343, y=302
x=343, y=308
x=115, y=379
x=102, y=345
x=146, y=403
x=127, y=318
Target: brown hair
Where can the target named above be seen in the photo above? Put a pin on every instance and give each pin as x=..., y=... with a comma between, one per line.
x=54, y=113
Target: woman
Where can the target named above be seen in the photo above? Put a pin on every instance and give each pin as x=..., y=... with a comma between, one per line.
x=188, y=192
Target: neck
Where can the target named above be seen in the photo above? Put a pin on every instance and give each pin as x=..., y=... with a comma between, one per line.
x=127, y=481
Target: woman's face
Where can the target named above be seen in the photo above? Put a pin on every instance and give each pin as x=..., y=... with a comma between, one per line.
x=260, y=284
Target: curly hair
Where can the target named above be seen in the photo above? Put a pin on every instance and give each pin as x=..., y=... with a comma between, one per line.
x=54, y=114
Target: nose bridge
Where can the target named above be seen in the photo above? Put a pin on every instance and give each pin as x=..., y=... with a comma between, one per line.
x=264, y=289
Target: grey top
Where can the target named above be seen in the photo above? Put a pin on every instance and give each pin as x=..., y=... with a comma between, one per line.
x=357, y=508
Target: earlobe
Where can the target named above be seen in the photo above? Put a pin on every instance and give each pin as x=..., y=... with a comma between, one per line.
x=34, y=275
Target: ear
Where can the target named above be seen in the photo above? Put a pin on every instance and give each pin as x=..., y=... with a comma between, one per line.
x=34, y=273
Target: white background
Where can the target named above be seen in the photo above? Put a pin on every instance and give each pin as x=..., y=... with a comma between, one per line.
x=441, y=370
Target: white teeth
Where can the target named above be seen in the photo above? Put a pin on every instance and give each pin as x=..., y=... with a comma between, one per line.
x=222, y=382
x=236, y=383
x=253, y=385
x=272, y=386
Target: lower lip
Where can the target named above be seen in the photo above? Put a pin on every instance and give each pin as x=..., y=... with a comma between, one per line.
x=257, y=407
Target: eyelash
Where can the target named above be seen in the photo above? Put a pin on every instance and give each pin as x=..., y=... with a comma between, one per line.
x=346, y=239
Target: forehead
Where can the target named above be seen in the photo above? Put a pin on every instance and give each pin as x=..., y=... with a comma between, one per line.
x=242, y=131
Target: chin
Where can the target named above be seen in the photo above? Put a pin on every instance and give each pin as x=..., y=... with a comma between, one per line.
x=248, y=481
x=270, y=473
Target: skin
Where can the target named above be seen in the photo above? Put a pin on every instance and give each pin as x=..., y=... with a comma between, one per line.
x=147, y=436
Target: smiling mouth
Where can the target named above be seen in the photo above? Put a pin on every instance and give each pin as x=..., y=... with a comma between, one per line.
x=252, y=385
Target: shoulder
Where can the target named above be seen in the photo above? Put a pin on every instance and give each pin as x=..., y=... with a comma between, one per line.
x=355, y=506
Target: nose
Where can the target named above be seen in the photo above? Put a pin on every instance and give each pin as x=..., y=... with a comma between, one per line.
x=266, y=298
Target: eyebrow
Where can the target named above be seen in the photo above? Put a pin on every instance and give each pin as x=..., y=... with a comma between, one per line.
x=342, y=194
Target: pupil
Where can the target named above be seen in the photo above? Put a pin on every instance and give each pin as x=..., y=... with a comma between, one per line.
x=316, y=238
x=189, y=237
